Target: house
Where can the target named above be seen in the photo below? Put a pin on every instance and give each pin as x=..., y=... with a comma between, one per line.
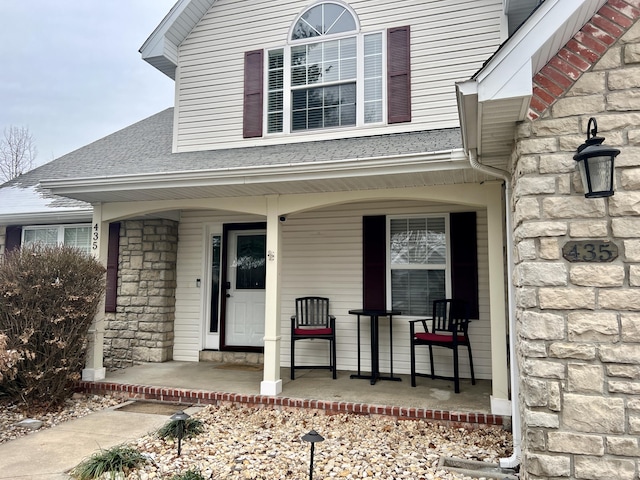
x=307, y=155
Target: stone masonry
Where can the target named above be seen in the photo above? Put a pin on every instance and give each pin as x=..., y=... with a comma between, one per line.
x=141, y=329
x=578, y=323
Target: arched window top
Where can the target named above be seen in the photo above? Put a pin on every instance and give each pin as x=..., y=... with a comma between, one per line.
x=327, y=18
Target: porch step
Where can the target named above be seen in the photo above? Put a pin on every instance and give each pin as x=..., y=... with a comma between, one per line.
x=245, y=358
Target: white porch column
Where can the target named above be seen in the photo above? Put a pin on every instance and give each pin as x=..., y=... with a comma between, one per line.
x=500, y=404
x=94, y=369
x=271, y=382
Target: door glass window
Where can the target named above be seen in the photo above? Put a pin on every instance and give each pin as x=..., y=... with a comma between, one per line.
x=250, y=262
x=215, y=284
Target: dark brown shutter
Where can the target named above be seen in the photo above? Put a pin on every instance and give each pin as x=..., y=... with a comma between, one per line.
x=399, y=74
x=113, y=249
x=13, y=238
x=252, y=112
x=464, y=259
x=374, y=262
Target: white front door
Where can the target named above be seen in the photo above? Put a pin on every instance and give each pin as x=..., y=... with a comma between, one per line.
x=244, y=325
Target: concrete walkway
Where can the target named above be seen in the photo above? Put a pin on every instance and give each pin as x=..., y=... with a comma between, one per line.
x=49, y=454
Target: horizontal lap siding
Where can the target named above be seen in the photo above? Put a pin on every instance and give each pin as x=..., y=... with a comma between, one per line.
x=322, y=255
x=189, y=324
x=449, y=42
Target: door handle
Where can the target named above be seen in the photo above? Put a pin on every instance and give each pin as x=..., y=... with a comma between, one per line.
x=228, y=295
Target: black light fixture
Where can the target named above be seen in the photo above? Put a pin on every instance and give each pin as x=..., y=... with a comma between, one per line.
x=180, y=418
x=312, y=437
x=595, y=162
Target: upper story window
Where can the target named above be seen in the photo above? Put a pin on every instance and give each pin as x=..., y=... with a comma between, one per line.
x=314, y=82
x=330, y=74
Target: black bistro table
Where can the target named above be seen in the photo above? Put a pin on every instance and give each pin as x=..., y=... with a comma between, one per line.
x=374, y=315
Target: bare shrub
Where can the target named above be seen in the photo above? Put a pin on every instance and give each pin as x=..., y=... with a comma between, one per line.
x=8, y=360
x=48, y=298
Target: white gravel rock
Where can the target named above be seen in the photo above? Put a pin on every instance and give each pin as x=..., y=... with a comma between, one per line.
x=247, y=443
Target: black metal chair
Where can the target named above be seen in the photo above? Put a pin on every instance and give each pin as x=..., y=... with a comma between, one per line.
x=312, y=321
x=449, y=329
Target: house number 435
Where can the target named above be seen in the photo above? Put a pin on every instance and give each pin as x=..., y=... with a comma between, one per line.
x=95, y=236
x=590, y=251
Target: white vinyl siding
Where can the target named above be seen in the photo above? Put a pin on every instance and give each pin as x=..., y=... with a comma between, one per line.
x=449, y=42
x=190, y=303
x=322, y=255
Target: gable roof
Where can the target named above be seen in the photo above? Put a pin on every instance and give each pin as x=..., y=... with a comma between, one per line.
x=498, y=96
x=161, y=48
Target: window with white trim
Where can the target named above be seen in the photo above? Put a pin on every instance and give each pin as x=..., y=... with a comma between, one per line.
x=419, y=262
x=78, y=236
x=329, y=75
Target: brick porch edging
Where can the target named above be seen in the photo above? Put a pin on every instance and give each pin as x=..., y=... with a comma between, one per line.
x=203, y=397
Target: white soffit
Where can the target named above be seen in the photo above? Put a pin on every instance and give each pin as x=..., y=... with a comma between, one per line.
x=498, y=95
x=550, y=27
x=161, y=48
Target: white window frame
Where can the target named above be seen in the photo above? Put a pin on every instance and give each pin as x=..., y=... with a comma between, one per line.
x=61, y=229
x=406, y=266
x=287, y=88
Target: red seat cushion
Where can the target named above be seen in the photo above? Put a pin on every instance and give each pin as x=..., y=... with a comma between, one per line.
x=312, y=331
x=434, y=337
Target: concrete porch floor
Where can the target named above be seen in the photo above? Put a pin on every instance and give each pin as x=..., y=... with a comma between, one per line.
x=310, y=384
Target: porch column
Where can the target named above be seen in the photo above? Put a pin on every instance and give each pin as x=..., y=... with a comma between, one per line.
x=94, y=369
x=500, y=404
x=271, y=382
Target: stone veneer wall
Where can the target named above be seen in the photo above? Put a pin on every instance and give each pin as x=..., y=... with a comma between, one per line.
x=578, y=324
x=141, y=329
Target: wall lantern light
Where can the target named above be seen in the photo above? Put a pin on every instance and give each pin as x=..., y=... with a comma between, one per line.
x=595, y=162
x=312, y=437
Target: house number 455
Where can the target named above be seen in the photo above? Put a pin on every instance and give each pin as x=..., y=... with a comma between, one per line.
x=590, y=251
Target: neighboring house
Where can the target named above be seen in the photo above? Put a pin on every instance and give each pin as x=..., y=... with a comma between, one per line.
x=381, y=157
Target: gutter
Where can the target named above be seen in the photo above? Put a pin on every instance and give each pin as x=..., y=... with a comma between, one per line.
x=516, y=429
x=351, y=167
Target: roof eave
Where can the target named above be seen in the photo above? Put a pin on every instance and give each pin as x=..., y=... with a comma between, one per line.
x=161, y=48
x=48, y=217
x=498, y=95
x=91, y=189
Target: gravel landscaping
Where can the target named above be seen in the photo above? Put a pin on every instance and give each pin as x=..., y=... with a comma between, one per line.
x=242, y=442
x=247, y=443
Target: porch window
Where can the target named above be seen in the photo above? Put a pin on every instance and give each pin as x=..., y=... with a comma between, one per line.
x=419, y=262
x=77, y=236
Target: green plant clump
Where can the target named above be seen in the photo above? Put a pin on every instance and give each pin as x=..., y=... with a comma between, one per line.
x=171, y=429
x=189, y=475
x=116, y=460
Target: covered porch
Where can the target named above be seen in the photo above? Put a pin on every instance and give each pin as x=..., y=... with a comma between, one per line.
x=311, y=220
x=211, y=382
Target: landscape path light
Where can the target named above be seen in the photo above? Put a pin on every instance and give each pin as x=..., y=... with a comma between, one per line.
x=312, y=437
x=595, y=162
x=180, y=418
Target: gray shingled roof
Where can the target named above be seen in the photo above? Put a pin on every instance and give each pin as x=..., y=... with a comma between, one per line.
x=145, y=148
